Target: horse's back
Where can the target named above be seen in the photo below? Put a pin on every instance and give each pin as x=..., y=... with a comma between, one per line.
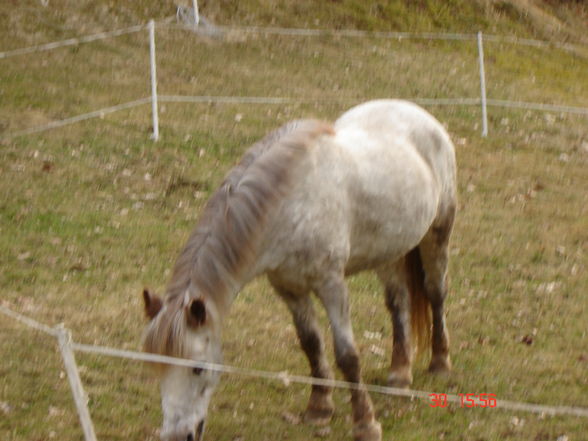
x=368, y=194
x=408, y=133
x=401, y=123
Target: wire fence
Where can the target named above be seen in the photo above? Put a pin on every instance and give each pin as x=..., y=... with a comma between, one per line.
x=67, y=347
x=154, y=99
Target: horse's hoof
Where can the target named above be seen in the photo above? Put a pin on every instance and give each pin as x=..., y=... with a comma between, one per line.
x=440, y=365
x=371, y=431
x=399, y=380
x=316, y=417
x=319, y=414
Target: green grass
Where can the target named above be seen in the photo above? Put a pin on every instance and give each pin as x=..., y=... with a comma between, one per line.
x=93, y=212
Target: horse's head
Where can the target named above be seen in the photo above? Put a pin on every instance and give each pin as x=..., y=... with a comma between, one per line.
x=183, y=328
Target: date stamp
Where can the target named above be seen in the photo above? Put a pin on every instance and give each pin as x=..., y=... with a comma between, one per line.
x=465, y=400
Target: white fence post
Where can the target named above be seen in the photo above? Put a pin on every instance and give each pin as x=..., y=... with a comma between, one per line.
x=483, y=86
x=153, y=80
x=80, y=398
x=196, y=13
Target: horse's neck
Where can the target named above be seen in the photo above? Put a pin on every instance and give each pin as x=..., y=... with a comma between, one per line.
x=255, y=269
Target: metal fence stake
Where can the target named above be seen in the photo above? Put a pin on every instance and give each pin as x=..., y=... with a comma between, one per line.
x=154, y=110
x=483, y=86
x=80, y=398
x=196, y=13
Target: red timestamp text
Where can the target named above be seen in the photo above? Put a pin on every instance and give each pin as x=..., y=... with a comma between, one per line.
x=465, y=400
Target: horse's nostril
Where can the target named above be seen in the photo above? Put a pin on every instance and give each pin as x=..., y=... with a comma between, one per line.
x=190, y=437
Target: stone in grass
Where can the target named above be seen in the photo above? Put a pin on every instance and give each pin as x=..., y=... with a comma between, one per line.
x=323, y=432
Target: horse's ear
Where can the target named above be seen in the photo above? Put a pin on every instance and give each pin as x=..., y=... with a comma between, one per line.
x=153, y=304
x=196, y=313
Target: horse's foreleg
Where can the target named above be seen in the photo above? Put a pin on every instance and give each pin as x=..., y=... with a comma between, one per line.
x=320, y=407
x=333, y=294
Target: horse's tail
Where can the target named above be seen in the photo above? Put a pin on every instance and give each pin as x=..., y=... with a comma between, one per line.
x=420, y=306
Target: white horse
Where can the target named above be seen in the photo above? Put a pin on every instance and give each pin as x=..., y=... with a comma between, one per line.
x=308, y=205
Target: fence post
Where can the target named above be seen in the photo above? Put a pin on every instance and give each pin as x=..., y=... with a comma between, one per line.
x=196, y=13
x=154, y=111
x=483, y=86
x=64, y=339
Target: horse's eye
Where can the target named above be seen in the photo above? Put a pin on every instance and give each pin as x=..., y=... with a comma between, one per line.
x=197, y=371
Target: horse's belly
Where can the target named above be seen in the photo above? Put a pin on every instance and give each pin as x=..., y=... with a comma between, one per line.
x=375, y=240
x=393, y=202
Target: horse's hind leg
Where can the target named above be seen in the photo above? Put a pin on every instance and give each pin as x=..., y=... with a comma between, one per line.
x=333, y=294
x=393, y=277
x=320, y=405
x=434, y=251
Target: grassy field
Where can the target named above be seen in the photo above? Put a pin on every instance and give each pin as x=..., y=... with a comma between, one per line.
x=92, y=213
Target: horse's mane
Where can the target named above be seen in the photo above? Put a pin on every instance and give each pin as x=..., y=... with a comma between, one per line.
x=224, y=243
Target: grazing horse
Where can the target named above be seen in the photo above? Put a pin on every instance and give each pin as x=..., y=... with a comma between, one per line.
x=308, y=205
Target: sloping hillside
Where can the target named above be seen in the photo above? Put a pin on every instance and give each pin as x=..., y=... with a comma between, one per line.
x=33, y=21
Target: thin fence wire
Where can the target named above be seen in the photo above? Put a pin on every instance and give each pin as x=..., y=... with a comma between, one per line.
x=31, y=323
x=301, y=32
x=538, y=106
x=74, y=119
x=71, y=41
x=209, y=99
x=352, y=33
x=261, y=100
x=286, y=379
x=542, y=44
x=154, y=99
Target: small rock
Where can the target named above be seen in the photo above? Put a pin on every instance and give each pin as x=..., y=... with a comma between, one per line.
x=377, y=351
x=290, y=418
x=548, y=288
x=55, y=411
x=24, y=256
x=5, y=407
x=516, y=422
x=323, y=432
x=368, y=335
